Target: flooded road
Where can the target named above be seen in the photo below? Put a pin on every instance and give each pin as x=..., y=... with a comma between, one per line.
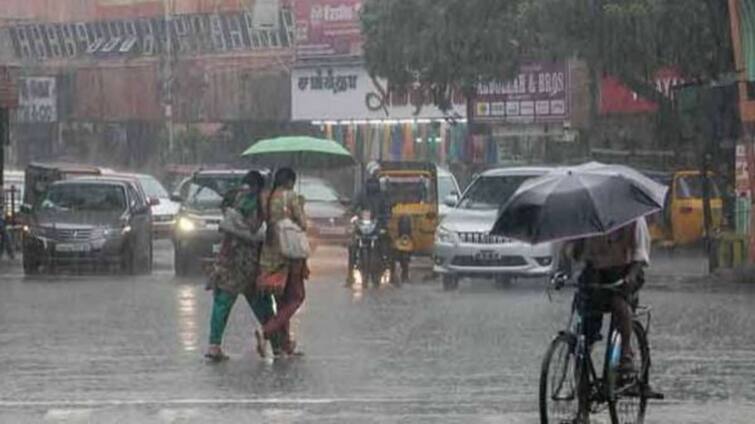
x=102, y=349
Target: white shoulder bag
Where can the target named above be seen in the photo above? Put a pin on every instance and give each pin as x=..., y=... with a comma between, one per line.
x=292, y=239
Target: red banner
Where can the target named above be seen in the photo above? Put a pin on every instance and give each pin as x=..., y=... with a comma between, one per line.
x=616, y=98
x=328, y=28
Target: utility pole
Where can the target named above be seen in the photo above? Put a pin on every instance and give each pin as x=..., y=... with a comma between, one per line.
x=169, y=6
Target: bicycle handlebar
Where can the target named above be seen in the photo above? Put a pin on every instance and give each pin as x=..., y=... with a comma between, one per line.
x=560, y=281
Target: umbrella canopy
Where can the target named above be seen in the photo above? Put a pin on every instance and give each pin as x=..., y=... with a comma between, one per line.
x=654, y=189
x=299, y=152
x=574, y=203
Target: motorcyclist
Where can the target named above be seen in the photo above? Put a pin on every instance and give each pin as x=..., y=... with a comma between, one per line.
x=374, y=200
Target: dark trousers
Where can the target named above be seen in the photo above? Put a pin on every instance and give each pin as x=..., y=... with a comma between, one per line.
x=288, y=303
x=620, y=304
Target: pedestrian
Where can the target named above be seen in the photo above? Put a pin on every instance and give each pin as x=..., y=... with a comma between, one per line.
x=236, y=267
x=282, y=203
x=6, y=242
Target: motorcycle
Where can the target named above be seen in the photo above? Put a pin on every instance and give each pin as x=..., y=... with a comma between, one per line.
x=369, y=256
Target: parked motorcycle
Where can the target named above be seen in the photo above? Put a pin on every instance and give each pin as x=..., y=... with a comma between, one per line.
x=369, y=256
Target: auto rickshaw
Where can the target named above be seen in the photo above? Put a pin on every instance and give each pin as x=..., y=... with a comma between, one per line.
x=412, y=191
x=682, y=220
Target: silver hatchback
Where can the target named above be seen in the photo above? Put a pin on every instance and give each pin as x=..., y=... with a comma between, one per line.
x=464, y=246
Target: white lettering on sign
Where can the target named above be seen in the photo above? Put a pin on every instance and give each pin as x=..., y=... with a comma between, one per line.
x=327, y=13
x=37, y=100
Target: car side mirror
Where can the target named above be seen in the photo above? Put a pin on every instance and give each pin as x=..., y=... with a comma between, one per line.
x=154, y=201
x=176, y=198
x=451, y=200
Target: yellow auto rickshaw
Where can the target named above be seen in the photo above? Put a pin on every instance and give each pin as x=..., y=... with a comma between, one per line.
x=682, y=221
x=412, y=192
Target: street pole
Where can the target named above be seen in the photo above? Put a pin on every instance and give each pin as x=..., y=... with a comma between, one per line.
x=169, y=4
x=4, y=125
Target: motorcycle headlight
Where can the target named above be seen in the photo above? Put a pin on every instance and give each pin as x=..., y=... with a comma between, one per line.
x=186, y=225
x=444, y=235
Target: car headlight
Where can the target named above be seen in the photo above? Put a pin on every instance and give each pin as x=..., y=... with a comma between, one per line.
x=444, y=235
x=186, y=225
x=544, y=260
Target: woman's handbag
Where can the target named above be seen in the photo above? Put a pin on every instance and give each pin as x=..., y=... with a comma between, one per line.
x=234, y=223
x=271, y=283
x=292, y=239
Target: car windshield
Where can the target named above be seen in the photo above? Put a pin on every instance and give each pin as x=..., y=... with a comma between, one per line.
x=84, y=198
x=317, y=191
x=691, y=187
x=492, y=192
x=206, y=193
x=153, y=188
x=446, y=187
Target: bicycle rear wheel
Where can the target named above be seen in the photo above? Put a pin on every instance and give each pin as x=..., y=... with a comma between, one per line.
x=628, y=399
x=559, y=402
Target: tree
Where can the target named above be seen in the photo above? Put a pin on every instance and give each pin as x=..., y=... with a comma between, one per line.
x=459, y=43
x=441, y=45
x=632, y=40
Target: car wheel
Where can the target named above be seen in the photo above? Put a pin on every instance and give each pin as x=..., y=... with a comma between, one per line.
x=503, y=281
x=180, y=263
x=450, y=282
x=128, y=259
x=30, y=263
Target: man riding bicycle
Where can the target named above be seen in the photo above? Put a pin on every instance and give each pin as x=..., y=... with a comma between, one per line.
x=621, y=254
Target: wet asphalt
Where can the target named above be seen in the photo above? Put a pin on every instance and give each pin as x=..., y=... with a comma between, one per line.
x=109, y=349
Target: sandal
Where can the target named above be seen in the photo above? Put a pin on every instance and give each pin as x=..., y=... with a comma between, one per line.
x=215, y=354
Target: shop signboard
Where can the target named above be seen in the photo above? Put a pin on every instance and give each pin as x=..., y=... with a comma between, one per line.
x=197, y=33
x=617, y=98
x=38, y=100
x=349, y=93
x=328, y=28
x=539, y=93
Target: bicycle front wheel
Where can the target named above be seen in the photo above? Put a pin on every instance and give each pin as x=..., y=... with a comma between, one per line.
x=559, y=402
x=628, y=397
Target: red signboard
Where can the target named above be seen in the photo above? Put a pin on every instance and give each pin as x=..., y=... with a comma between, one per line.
x=8, y=89
x=616, y=98
x=328, y=28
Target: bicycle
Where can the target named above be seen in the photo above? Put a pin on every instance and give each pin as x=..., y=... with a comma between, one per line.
x=570, y=387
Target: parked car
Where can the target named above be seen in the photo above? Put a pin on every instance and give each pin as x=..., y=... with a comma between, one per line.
x=196, y=236
x=90, y=221
x=448, y=191
x=464, y=246
x=164, y=210
x=326, y=210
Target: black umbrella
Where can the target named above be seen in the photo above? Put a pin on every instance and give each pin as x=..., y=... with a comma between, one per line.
x=574, y=203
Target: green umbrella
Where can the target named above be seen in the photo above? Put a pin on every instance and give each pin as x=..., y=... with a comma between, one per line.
x=299, y=152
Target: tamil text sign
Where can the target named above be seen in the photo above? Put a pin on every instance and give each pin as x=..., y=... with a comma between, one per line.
x=180, y=34
x=37, y=100
x=539, y=93
x=349, y=93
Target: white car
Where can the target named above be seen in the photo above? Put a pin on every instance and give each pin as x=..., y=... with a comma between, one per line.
x=464, y=246
x=448, y=191
x=164, y=211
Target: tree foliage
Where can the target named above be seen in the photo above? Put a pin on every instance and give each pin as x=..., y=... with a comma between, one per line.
x=442, y=43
